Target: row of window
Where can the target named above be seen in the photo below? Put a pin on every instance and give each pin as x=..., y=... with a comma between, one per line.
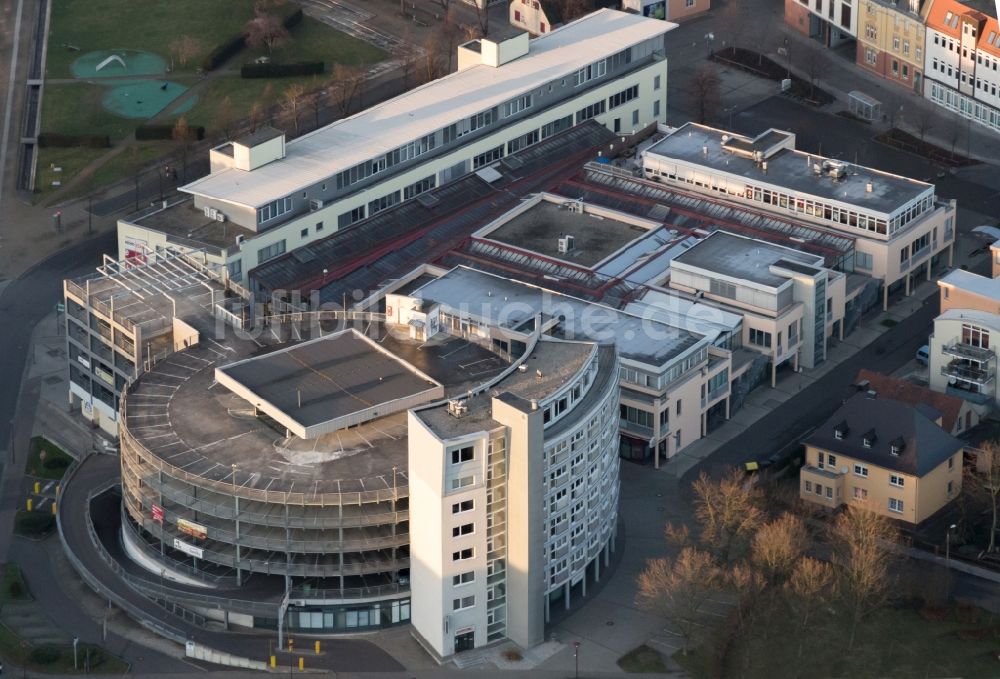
x=967, y=108
x=274, y=209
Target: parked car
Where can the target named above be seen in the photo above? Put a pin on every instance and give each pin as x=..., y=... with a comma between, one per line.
x=923, y=355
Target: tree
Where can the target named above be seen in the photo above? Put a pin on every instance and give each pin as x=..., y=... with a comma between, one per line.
x=574, y=9
x=447, y=37
x=184, y=137
x=750, y=587
x=406, y=57
x=349, y=81
x=862, y=549
x=316, y=101
x=256, y=115
x=678, y=590
x=982, y=482
x=811, y=587
x=445, y=5
x=225, y=118
x=292, y=104
x=727, y=512
x=732, y=22
x=184, y=48
x=924, y=120
x=815, y=65
x=705, y=92
x=432, y=62
x=265, y=30
x=778, y=546
x=483, y=18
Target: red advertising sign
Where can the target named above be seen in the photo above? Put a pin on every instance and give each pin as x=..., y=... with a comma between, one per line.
x=158, y=514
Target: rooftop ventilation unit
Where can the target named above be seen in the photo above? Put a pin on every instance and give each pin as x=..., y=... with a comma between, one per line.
x=565, y=244
x=315, y=204
x=219, y=217
x=457, y=408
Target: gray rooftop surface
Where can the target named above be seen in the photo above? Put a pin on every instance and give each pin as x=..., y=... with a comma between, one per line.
x=739, y=257
x=184, y=222
x=539, y=228
x=323, y=379
x=261, y=135
x=791, y=170
x=512, y=304
x=182, y=416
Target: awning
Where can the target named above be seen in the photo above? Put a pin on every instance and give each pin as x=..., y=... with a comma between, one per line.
x=416, y=323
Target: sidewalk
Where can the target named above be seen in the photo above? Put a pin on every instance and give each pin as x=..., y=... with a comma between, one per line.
x=841, y=76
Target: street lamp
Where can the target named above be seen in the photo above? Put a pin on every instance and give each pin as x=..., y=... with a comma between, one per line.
x=947, y=545
x=576, y=659
x=76, y=640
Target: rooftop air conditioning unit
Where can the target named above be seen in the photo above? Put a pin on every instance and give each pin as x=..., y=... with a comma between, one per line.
x=207, y=211
x=315, y=204
x=211, y=213
x=240, y=238
x=220, y=217
x=457, y=408
x=565, y=244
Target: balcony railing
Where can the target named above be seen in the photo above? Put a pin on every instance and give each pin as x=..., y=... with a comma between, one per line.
x=969, y=373
x=956, y=347
x=970, y=396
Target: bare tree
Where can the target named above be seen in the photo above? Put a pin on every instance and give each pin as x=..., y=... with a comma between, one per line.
x=483, y=19
x=750, y=587
x=982, y=483
x=815, y=65
x=448, y=35
x=225, y=118
x=862, y=549
x=255, y=116
x=294, y=100
x=349, y=81
x=316, y=99
x=678, y=590
x=184, y=48
x=445, y=6
x=924, y=120
x=184, y=136
x=406, y=57
x=432, y=62
x=811, y=588
x=265, y=30
x=778, y=546
x=727, y=512
x=574, y=9
x=705, y=92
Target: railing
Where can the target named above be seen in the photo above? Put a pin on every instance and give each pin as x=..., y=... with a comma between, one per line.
x=957, y=347
x=715, y=394
x=971, y=396
x=968, y=373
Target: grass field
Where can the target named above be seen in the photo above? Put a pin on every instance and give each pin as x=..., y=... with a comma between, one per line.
x=69, y=162
x=893, y=643
x=76, y=109
x=313, y=40
x=46, y=460
x=12, y=588
x=57, y=659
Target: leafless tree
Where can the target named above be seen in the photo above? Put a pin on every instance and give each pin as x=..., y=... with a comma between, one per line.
x=406, y=57
x=815, y=64
x=924, y=120
x=483, y=19
x=265, y=30
x=727, y=511
x=317, y=98
x=777, y=546
x=982, y=483
x=432, y=62
x=679, y=590
x=184, y=136
x=812, y=587
x=750, y=587
x=574, y=9
x=255, y=116
x=348, y=83
x=731, y=20
x=862, y=550
x=445, y=6
x=705, y=92
x=293, y=101
x=448, y=35
x=225, y=118
x=184, y=48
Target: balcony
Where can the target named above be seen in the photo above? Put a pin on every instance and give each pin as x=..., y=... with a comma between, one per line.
x=976, y=397
x=974, y=373
x=959, y=349
x=639, y=430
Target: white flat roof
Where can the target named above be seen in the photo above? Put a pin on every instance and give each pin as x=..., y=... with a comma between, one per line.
x=343, y=144
x=974, y=283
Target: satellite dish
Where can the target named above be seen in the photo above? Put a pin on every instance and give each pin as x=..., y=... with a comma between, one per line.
x=843, y=470
x=951, y=379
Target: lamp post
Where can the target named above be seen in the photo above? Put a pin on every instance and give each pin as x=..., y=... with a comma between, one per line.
x=76, y=640
x=576, y=659
x=947, y=545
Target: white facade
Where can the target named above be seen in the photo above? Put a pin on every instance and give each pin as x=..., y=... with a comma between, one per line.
x=446, y=128
x=963, y=358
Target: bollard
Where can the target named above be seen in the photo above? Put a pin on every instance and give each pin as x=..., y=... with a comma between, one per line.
x=274, y=661
x=317, y=646
x=29, y=504
x=291, y=645
x=38, y=487
x=53, y=507
x=302, y=664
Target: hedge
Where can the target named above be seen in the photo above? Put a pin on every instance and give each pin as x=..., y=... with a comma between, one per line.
x=231, y=47
x=151, y=132
x=56, y=140
x=281, y=70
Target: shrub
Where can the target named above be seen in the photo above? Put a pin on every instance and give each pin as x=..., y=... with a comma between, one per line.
x=158, y=132
x=56, y=463
x=62, y=141
x=35, y=523
x=281, y=70
x=44, y=655
x=512, y=655
x=15, y=589
x=222, y=52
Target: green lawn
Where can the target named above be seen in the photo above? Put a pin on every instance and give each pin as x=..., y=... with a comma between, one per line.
x=148, y=25
x=34, y=524
x=893, y=643
x=69, y=161
x=76, y=109
x=313, y=40
x=12, y=588
x=642, y=660
x=57, y=659
x=46, y=460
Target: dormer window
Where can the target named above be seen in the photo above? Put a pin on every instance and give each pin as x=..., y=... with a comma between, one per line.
x=869, y=438
x=896, y=445
x=841, y=430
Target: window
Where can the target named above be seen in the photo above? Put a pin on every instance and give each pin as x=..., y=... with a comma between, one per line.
x=809, y=486
x=906, y=47
x=819, y=489
x=831, y=461
x=656, y=82
x=656, y=108
x=895, y=42
x=275, y=208
x=951, y=488
x=516, y=105
x=555, y=126
x=462, y=482
x=863, y=260
x=463, y=603
x=626, y=95
x=415, y=189
x=895, y=67
x=635, y=118
x=896, y=480
x=304, y=233
x=829, y=492
x=679, y=406
x=464, y=529
x=464, y=554
x=860, y=493
x=462, y=455
x=590, y=111
x=895, y=505
x=975, y=336
x=590, y=72
x=760, y=338
x=319, y=226
x=235, y=269
x=463, y=578
x=348, y=218
x=951, y=463
x=722, y=288
x=487, y=157
x=689, y=3
x=861, y=470
x=463, y=506
x=820, y=460
x=382, y=203
x=271, y=251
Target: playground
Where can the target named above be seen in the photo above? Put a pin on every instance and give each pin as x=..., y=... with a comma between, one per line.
x=134, y=81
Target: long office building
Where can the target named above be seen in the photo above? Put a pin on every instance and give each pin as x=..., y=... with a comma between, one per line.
x=264, y=197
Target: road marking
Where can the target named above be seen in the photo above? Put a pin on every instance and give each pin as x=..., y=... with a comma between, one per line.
x=10, y=96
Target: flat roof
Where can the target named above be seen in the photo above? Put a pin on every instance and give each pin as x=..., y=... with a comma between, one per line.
x=735, y=256
x=320, y=155
x=189, y=225
x=595, y=236
x=511, y=304
x=972, y=282
x=703, y=146
x=182, y=415
x=318, y=383
x=261, y=135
